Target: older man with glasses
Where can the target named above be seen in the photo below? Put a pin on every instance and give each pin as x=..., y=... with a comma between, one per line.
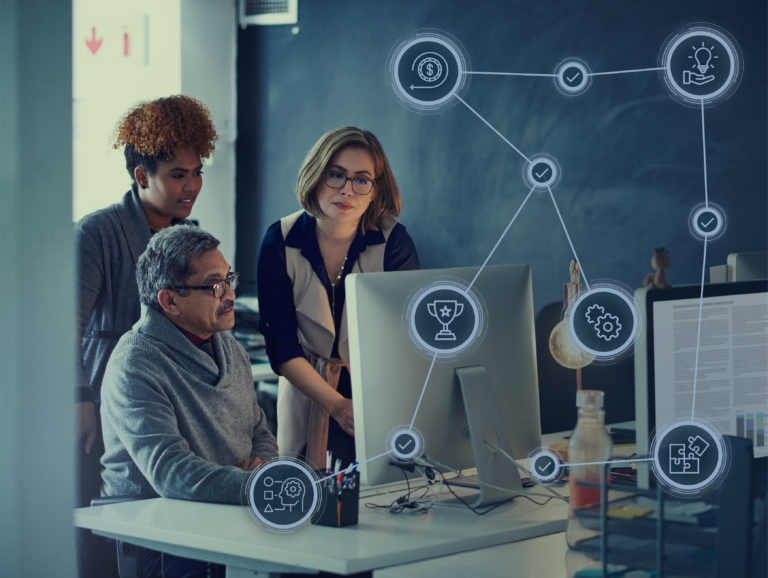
x=179, y=409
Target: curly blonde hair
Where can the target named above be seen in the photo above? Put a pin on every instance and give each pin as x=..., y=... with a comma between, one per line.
x=156, y=130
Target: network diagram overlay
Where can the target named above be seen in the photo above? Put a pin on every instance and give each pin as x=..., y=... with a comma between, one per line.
x=700, y=66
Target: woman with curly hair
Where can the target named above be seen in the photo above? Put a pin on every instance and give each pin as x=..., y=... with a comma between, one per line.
x=164, y=141
x=349, y=199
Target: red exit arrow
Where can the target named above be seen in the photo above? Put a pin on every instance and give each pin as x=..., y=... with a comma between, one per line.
x=93, y=44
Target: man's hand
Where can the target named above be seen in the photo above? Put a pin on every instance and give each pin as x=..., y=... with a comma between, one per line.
x=86, y=424
x=249, y=464
x=342, y=413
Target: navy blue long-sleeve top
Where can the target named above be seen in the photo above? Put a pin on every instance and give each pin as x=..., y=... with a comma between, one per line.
x=277, y=313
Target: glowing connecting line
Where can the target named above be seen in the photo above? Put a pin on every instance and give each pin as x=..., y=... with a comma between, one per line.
x=616, y=461
x=350, y=468
x=569, y=238
x=500, y=238
x=508, y=74
x=517, y=150
x=698, y=331
x=526, y=199
x=704, y=148
x=555, y=75
x=626, y=71
x=423, y=389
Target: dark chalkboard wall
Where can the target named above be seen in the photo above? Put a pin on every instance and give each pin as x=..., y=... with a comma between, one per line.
x=631, y=156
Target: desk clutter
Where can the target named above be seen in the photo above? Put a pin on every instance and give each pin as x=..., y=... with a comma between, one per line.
x=647, y=531
x=340, y=494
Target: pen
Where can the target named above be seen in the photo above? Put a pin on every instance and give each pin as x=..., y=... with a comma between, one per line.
x=328, y=458
x=336, y=468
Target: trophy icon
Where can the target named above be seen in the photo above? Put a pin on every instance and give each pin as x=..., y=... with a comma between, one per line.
x=445, y=312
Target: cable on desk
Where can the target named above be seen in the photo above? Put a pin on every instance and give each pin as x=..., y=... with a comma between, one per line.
x=467, y=505
x=404, y=502
x=521, y=468
x=427, y=461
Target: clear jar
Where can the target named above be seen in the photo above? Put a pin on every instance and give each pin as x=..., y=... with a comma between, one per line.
x=589, y=442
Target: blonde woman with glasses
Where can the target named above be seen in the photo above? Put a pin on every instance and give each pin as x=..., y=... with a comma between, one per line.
x=347, y=224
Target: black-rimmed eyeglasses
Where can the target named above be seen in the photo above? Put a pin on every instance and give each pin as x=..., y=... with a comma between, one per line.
x=218, y=288
x=337, y=180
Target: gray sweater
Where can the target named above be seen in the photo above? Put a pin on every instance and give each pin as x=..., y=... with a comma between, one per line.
x=109, y=243
x=175, y=424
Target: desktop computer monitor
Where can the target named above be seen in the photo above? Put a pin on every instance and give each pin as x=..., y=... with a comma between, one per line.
x=747, y=266
x=732, y=379
x=390, y=362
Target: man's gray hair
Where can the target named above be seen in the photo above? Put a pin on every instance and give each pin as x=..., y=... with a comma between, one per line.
x=167, y=261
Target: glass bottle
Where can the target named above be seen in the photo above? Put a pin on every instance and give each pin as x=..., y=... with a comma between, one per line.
x=589, y=442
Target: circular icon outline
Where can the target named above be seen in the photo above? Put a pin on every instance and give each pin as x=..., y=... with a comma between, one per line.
x=693, y=221
x=399, y=456
x=551, y=162
x=460, y=65
x=624, y=296
x=560, y=79
x=732, y=51
x=557, y=471
x=428, y=291
x=250, y=501
x=676, y=487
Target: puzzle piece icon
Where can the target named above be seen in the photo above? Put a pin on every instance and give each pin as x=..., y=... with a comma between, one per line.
x=677, y=460
x=697, y=445
x=680, y=463
x=691, y=464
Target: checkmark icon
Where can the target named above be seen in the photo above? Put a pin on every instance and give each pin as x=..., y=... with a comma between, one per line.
x=402, y=447
x=708, y=222
x=545, y=468
x=539, y=175
x=574, y=77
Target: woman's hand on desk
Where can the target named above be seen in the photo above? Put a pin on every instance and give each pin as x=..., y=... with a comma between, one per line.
x=342, y=413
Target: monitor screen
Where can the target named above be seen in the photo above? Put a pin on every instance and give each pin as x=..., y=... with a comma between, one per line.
x=732, y=378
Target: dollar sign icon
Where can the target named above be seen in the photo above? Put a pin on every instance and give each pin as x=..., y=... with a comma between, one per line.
x=429, y=69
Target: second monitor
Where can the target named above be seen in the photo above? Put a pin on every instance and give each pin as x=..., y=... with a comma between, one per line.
x=404, y=326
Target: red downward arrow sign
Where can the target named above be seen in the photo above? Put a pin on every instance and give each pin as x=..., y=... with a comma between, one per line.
x=93, y=44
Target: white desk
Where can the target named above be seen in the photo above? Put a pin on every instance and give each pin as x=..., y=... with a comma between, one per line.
x=227, y=535
x=542, y=557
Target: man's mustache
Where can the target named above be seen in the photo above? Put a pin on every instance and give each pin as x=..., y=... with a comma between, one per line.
x=225, y=307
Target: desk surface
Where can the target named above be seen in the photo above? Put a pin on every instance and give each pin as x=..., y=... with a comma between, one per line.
x=542, y=557
x=226, y=534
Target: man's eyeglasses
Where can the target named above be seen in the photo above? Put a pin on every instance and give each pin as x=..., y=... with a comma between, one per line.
x=218, y=288
x=337, y=180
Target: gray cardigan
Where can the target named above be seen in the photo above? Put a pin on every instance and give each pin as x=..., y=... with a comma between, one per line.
x=176, y=423
x=109, y=242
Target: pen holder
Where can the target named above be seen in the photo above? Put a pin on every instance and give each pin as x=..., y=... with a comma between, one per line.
x=341, y=508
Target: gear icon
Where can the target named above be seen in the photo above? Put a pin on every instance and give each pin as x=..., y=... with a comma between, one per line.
x=292, y=488
x=593, y=313
x=607, y=326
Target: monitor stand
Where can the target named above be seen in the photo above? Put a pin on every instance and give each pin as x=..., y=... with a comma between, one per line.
x=485, y=423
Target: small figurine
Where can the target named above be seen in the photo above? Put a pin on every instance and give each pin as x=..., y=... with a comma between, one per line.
x=661, y=261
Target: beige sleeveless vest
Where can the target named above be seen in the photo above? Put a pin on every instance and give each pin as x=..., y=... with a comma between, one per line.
x=300, y=421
